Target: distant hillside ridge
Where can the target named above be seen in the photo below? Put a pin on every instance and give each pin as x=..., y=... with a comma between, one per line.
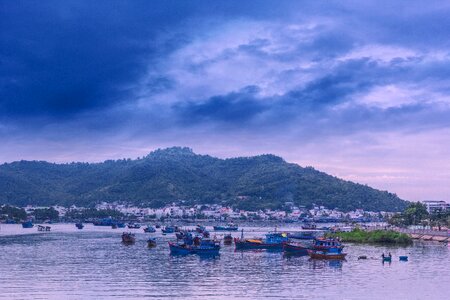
x=177, y=174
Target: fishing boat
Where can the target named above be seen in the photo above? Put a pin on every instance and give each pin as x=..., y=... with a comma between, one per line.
x=114, y=226
x=309, y=226
x=295, y=248
x=228, y=239
x=205, y=247
x=303, y=235
x=27, y=224
x=133, y=226
x=128, y=238
x=325, y=244
x=168, y=229
x=43, y=228
x=79, y=225
x=333, y=253
x=272, y=240
x=228, y=227
x=120, y=225
x=151, y=242
x=149, y=229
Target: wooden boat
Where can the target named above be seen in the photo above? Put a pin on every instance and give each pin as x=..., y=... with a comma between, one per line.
x=79, y=225
x=149, y=229
x=295, y=248
x=227, y=239
x=317, y=254
x=206, y=247
x=128, y=238
x=228, y=227
x=386, y=258
x=272, y=241
x=151, y=242
x=27, y=224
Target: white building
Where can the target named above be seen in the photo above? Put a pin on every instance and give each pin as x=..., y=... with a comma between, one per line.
x=435, y=205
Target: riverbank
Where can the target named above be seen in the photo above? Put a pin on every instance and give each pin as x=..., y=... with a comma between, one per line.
x=373, y=237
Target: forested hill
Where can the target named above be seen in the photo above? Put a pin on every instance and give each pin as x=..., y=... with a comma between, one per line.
x=177, y=174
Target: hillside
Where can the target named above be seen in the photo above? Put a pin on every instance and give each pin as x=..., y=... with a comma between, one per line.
x=176, y=174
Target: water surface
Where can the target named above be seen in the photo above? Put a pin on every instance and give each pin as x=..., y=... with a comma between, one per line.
x=92, y=263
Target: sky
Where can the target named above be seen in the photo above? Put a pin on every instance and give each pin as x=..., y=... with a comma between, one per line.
x=357, y=89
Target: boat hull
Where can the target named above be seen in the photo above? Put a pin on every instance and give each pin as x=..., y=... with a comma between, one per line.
x=183, y=249
x=336, y=256
x=246, y=245
x=224, y=228
x=297, y=249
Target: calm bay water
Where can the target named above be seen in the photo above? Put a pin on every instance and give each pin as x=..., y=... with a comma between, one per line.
x=92, y=263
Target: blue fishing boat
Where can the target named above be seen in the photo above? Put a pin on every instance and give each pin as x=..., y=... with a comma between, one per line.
x=149, y=229
x=228, y=227
x=271, y=241
x=27, y=224
x=79, y=225
x=403, y=258
x=205, y=247
x=168, y=229
x=325, y=244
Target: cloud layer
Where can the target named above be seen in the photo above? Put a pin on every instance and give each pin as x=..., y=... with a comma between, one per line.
x=360, y=90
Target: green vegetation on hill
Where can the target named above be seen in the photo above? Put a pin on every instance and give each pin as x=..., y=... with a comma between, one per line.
x=376, y=236
x=177, y=174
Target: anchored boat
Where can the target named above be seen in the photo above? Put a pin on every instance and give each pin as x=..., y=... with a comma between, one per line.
x=128, y=238
x=206, y=246
x=27, y=224
x=228, y=227
x=333, y=253
x=272, y=240
x=295, y=248
x=149, y=229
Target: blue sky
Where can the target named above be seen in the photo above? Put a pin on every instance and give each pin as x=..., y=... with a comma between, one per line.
x=358, y=89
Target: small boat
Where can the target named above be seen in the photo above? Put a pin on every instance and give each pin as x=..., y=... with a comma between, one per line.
x=43, y=228
x=228, y=239
x=128, y=238
x=309, y=226
x=114, y=226
x=272, y=240
x=27, y=224
x=325, y=244
x=295, y=248
x=151, y=242
x=168, y=229
x=206, y=247
x=403, y=258
x=228, y=227
x=157, y=226
x=302, y=235
x=79, y=225
x=335, y=254
x=149, y=229
x=133, y=226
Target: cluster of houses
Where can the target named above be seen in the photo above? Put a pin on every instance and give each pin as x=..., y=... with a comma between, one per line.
x=290, y=213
